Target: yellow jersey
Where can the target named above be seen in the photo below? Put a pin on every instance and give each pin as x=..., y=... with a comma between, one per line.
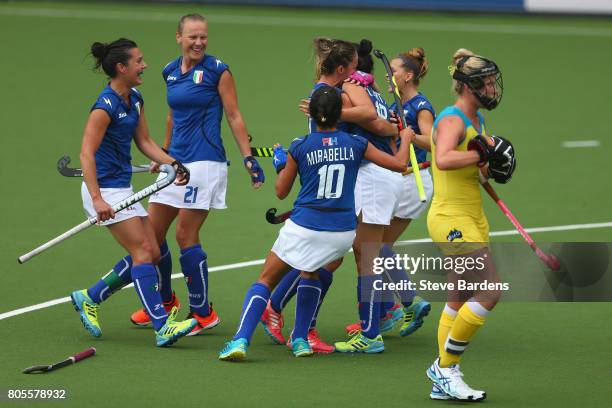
x=456, y=220
x=460, y=188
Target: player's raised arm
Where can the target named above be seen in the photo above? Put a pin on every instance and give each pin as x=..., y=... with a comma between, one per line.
x=358, y=109
x=362, y=102
x=394, y=163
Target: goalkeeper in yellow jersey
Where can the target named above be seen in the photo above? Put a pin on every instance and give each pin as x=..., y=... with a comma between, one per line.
x=456, y=221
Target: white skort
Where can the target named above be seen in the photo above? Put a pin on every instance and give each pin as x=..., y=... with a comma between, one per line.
x=308, y=250
x=410, y=206
x=377, y=194
x=206, y=188
x=112, y=196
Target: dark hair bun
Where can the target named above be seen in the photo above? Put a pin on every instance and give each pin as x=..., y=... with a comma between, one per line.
x=98, y=50
x=365, y=47
x=109, y=55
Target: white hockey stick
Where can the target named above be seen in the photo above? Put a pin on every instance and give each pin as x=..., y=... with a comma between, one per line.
x=144, y=193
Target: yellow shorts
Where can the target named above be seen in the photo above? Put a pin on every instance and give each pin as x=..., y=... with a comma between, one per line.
x=457, y=232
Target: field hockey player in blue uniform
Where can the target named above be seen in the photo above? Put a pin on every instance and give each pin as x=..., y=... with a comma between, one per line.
x=200, y=88
x=336, y=60
x=409, y=68
x=336, y=63
x=322, y=225
x=115, y=119
x=377, y=194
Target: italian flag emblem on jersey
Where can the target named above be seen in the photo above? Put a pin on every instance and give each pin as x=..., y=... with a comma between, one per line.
x=198, y=76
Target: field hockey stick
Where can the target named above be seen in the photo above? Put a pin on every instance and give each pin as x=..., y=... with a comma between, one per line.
x=262, y=151
x=145, y=192
x=398, y=102
x=422, y=166
x=62, y=167
x=69, y=361
x=272, y=218
x=550, y=260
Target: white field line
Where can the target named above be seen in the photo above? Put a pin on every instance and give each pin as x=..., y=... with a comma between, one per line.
x=239, y=265
x=283, y=21
x=570, y=144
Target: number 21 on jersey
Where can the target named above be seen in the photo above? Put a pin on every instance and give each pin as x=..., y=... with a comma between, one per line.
x=327, y=174
x=191, y=195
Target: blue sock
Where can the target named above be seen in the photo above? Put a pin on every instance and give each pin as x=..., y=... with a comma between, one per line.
x=369, y=306
x=146, y=284
x=165, y=272
x=396, y=275
x=110, y=283
x=384, y=308
x=285, y=290
x=254, y=305
x=195, y=269
x=308, y=296
x=327, y=278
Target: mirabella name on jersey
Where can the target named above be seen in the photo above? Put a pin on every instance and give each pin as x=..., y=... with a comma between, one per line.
x=332, y=154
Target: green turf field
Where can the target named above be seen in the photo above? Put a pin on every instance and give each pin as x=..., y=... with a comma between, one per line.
x=557, y=88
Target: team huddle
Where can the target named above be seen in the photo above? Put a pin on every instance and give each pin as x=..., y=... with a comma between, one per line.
x=357, y=190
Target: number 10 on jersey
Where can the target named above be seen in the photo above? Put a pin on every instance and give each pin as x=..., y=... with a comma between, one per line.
x=327, y=174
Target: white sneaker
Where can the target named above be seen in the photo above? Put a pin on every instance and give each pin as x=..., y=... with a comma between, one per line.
x=437, y=393
x=449, y=380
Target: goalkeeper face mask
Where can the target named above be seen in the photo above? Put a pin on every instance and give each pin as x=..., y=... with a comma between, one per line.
x=485, y=83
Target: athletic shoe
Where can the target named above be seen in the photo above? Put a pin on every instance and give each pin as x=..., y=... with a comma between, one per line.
x=413, y=316
x=234, y=350
x=172, y=330
x=361, y=344
x=437, y=394
x=449, y=380
x=394, y=315
x=88, y=310
x=353, y=329
x=141, y=317
x=272, y=323
x=301, y=348
x=204, y=322
x=318, y=346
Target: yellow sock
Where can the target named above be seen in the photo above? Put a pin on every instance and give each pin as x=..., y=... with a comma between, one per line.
x=444, y=326
x=465, y=326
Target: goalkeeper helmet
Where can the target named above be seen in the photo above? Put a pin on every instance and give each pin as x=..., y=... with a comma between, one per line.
x=475, y=80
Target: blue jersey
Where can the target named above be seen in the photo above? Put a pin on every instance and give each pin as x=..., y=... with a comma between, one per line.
x=312, y=125
x=412, y=107
x=196, y=110
x=113, y=159
x=380, y=142
x=328, y=163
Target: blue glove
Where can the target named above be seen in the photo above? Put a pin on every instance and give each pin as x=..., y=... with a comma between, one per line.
x=257, y=173
x=280, y=158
